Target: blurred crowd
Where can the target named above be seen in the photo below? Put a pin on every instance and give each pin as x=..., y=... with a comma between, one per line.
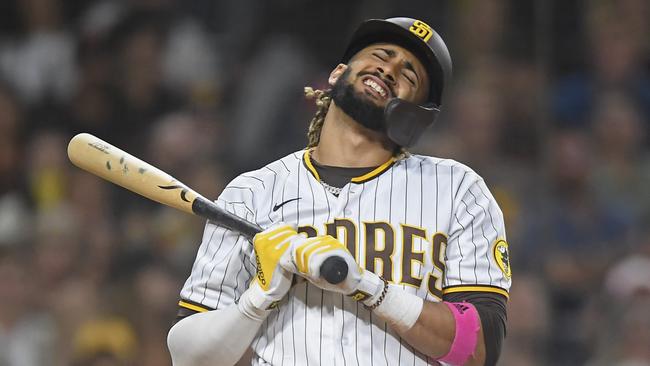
x=550, y=104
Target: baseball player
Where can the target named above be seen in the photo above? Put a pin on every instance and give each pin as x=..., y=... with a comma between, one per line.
x=423, y=237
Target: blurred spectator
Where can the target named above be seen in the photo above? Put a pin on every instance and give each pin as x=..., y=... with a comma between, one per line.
x=108, y=341
x=14, y=214
x=40, y=65
x=479, y=30
x=570, y=217
x=153, y=287
x=477, y=126
x=268, y=105
x=191, y=65
x=616, y=60
x=178, y=140
x=623, y=310
x=27, y=334
x=575, y=237
x=527, y=335
x=625, y=343
x=524, y=126
x=622, y=171
x=57, y=249
x=141, y=95
x=11, y=120
x=629, y=276
x=47, y=165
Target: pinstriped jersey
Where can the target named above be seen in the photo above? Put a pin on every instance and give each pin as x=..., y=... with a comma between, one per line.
x=428, y=224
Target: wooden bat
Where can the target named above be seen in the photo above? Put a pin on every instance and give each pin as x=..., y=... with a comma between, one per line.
x=108, y=162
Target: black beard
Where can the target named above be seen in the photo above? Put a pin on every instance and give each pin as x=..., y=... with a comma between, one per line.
x=356, y=105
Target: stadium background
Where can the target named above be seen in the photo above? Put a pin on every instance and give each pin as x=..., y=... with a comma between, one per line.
x=550, y=103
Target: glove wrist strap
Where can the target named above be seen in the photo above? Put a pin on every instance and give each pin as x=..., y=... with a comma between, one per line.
x=373, y=302
x=253, y=304
x=369, y=289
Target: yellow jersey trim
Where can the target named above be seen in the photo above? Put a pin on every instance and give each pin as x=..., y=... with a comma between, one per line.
x=476, y=288
x=309, y=165
x=380, y=169
x=366, y=177
x=192, y=307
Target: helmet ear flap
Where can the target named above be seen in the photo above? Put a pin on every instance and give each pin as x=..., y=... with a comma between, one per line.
x=405, y=122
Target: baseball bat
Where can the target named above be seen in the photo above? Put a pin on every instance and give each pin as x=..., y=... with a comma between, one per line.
x=114, y=165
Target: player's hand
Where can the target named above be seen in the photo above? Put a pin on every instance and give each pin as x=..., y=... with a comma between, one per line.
x=272, y=282
x=306, y=255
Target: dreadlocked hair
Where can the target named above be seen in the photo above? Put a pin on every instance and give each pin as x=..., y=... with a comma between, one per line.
x=323, y=100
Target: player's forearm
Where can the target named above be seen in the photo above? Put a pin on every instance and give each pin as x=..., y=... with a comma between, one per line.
x=215, y=338
x=450, y=332
x=434, y=332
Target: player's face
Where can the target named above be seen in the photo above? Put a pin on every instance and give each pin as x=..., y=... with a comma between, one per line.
x=383, y=71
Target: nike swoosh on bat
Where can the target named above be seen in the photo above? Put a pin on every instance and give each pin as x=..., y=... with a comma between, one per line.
x=277, y=207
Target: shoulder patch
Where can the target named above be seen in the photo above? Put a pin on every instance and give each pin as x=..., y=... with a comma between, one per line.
x=502, y=257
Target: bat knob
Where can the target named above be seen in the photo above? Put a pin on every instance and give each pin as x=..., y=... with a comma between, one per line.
x=334, y=270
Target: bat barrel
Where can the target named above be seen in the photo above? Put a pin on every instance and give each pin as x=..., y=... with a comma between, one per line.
x=107, y=161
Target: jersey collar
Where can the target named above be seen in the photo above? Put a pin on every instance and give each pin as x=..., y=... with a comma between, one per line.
x=360, y=179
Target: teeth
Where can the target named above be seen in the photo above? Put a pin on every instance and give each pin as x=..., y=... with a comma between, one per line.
x=371, y=83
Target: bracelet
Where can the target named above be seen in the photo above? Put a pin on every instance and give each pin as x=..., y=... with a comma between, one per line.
x=384, y=291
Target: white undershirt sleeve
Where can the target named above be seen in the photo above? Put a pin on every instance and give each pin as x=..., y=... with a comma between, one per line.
x=215, y=338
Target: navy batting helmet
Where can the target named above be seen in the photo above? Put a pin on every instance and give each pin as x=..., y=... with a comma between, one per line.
x=405, y=121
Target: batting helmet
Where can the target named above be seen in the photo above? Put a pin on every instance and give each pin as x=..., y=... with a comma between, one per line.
x=405, y=121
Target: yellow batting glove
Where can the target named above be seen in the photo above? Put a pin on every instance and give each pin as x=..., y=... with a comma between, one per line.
x=310, y=247
x=306, y=255
x=272, y=282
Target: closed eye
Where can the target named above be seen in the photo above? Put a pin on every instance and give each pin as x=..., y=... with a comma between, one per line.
x=408, y=78
x=379, y=56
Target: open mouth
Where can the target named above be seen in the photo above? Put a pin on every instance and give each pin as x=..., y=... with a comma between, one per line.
x=376, y=87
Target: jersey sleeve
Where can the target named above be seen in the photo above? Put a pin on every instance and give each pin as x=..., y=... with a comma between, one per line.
x=225, y=261
x=477, y=255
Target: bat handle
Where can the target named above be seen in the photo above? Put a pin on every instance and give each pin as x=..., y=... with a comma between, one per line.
x=334, y=269
x=207, y=209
